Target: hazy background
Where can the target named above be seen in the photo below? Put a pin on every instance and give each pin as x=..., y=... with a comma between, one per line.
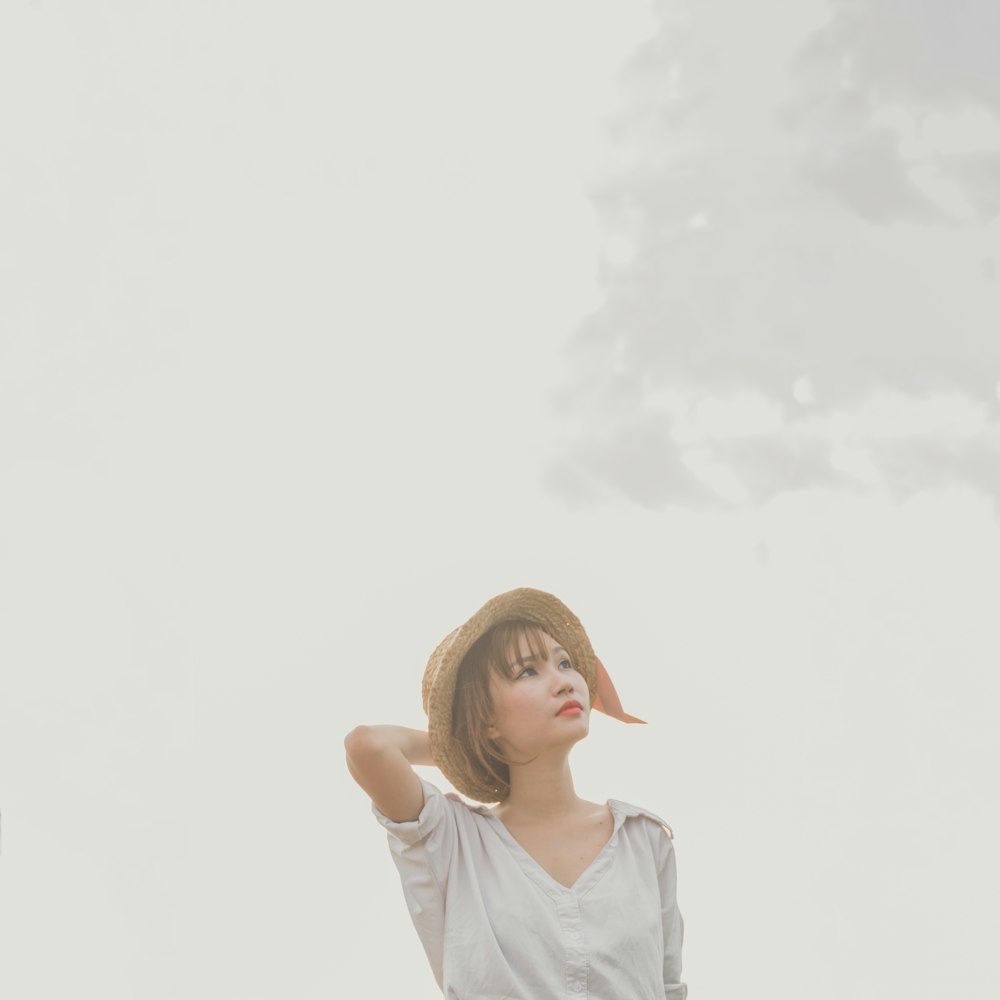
x=321, y=324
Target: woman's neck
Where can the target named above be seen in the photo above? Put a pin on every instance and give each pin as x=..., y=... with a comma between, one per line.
x=541, y=791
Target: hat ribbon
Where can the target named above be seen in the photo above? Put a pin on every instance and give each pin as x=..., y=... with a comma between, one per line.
x=607, y=701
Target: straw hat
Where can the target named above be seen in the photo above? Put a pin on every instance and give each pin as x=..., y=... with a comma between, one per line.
x=441, y=674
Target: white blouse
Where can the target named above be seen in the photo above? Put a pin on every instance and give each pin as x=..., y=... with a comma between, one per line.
x=496, y=926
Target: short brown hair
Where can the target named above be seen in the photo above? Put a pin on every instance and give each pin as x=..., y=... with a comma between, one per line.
x=497, y=651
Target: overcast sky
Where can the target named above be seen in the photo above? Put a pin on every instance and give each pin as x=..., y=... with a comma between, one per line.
x=321, y=325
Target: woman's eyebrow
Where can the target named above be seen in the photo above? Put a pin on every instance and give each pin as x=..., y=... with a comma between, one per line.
x=531, y=656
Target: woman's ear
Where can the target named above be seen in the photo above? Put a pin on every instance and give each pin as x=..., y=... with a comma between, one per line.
x=492, y=732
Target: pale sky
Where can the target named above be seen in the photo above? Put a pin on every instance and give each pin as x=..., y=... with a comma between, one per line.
x=322, y=325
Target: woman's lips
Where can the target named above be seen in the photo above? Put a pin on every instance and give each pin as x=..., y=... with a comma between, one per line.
x=571, y=710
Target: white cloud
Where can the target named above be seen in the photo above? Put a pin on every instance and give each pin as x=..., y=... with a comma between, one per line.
x=807, y=244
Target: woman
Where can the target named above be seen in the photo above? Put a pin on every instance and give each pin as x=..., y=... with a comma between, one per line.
x=545, y=894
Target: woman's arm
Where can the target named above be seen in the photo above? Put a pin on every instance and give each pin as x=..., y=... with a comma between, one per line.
x=673, y=925
x=380, y=758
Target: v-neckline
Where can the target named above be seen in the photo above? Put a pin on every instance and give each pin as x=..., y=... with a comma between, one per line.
x=540, y=875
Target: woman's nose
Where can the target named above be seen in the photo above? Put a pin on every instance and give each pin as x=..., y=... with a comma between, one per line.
x=562, y=680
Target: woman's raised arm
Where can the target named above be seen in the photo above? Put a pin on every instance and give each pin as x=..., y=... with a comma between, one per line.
x=380, y=758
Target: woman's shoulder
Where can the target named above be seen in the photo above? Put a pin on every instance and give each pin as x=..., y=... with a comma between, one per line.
x=629, y=810
x=441, y=812
x=454, y=802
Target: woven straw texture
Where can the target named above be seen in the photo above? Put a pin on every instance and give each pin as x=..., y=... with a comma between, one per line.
x=441, y=674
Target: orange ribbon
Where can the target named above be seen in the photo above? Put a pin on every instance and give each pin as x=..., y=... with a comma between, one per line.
x=607, y=701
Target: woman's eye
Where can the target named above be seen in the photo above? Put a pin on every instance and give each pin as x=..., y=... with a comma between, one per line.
x=524, y=672
x=566, y=663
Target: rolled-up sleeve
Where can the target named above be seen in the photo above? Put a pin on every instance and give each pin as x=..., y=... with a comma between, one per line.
x=432, y=815
x=673, y=924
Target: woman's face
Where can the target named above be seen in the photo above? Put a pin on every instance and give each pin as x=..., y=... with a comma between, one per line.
x=531, y=712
